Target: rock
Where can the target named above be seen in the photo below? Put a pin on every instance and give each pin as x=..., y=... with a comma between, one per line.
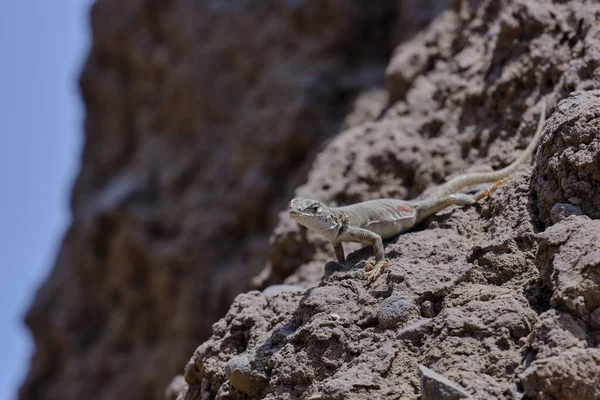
x=201, y=118
x=415, y=331
x=560, y=363
x=240, y=375
x=555, y=332
x=568, y=253
x=470, y=101
x=238, y=365
x=595, y=319
x=188, y=103
x=571, y=375
x=436, y=387
x=276, y=289
x=176, y=388
x=396, y=311
x=427, y=309
x=561, y=211
x=568, y=161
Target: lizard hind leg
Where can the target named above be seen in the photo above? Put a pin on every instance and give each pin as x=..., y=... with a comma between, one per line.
x=463, y=199
x=432, y=206
x=490, y=189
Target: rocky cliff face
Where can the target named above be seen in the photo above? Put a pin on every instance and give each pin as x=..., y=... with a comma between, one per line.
x=202, y=118
x=501, y=299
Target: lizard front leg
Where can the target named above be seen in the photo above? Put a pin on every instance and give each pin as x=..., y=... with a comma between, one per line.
x=339, y=252
x=373, y=239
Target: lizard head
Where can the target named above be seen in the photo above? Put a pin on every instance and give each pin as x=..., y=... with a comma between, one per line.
x=312, y=214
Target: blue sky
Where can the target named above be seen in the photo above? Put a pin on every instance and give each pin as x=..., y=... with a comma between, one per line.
x=42, y=47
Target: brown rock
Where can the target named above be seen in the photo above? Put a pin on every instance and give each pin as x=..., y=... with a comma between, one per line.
x=554, y=333
x=465, y=96
x=435, y=386
x=396, y=311
x=176, y=388
x=572, y=375
x=178, y=194
x=568, y=162
x=560, y=363
x=415, y=331
x=201, y=118
x=569, y=263
x=240, y=375
x=562, y=211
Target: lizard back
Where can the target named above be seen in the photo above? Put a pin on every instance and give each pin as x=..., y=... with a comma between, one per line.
x=385, y=217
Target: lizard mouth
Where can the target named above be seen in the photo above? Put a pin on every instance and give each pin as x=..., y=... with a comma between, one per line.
x=297, y=215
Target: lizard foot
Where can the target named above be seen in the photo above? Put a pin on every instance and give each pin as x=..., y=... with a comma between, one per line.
x=373, y=272
x=488, y=191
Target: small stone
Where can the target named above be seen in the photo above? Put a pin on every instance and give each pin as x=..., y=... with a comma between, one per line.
x=415, y=332
x=395, y=311
x=240, y=375
x=561, y=211
x=276, y=289
x=437, y=387
x=239, y=364
x=427, y=309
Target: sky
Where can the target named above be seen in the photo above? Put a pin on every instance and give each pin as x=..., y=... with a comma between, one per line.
x=43, y=45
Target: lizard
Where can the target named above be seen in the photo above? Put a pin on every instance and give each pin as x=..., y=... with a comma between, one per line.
x=372, y=221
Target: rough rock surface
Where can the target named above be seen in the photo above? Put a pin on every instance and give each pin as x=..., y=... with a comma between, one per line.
x=563, y=355
x=570, y=155
x=571, y=375
x=506, y=305
x=202, y=117
x=436, y=387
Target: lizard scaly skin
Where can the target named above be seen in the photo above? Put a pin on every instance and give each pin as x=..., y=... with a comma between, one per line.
x=370, y=222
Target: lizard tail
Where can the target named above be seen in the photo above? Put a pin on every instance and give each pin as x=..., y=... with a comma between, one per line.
x=462, y=181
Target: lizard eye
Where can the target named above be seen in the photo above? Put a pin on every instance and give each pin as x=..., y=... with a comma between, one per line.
x=315, y=208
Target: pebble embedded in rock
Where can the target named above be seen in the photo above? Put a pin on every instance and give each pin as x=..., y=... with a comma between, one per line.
x=435, y=386
x=427, y=309
x=561, y=211
x=395, y=311
x=240, y=375
x=415, y=331
x=277, y=289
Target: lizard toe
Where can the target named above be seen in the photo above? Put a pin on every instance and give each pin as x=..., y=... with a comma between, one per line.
x=374, y=273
